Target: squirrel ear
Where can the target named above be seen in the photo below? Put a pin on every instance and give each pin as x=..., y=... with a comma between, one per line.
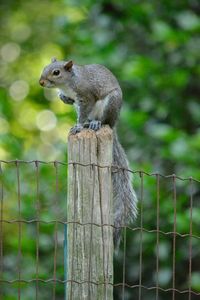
x=68, y=65
x=53, y=59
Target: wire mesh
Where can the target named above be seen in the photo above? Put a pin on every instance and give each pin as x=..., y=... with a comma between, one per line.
x=158, y=257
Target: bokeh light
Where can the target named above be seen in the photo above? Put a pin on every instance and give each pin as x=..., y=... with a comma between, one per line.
x=19, y=90
x=10, y=52
x=46, y=120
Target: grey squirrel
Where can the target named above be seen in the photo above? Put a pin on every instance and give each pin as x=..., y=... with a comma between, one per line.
x=97, y=97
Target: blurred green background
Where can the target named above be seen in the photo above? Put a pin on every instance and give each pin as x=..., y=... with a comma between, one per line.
x=153, y=48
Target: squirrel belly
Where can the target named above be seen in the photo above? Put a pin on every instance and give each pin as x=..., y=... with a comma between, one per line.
x=98, y=109
x=68, y=92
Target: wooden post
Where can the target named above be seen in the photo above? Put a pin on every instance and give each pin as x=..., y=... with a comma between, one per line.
x=90, y=247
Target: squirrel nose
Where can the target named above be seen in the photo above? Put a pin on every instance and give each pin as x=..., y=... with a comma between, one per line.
x=41, y=81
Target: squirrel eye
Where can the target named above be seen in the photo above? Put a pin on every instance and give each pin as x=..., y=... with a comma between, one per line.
x=56, y=72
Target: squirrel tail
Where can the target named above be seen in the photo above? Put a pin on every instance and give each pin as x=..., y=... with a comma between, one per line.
x=125, y=200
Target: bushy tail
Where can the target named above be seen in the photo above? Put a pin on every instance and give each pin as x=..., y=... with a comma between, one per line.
x=125, y=200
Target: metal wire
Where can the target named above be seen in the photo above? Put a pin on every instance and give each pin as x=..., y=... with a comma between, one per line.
x=37, y=228
x=165, y=233
x=55, y=231
x=135, y=286
x=157, y=234
x=190, y=241
x=174, y=240
x=141, y=234
x=115, y=168
x=38, y=221
x=19, y=230
x=124, y=253
x=1, y=229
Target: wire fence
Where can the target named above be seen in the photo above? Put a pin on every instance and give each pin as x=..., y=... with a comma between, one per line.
x=159, y=256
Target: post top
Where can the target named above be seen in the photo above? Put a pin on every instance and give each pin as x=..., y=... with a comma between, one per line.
x=104, y=132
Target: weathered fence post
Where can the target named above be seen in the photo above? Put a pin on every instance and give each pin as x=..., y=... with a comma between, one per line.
x=90, y=214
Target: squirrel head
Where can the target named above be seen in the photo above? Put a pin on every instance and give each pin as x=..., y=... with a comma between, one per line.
x=57, y=74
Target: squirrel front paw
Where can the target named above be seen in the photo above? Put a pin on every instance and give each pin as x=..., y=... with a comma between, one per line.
x=95, y=125
x=77, y=128
x=66, y=99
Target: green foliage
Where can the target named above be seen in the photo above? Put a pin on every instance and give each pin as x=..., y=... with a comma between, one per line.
x=153, y=47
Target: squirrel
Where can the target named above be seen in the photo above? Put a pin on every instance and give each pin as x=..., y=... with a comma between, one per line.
x=97, y=97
